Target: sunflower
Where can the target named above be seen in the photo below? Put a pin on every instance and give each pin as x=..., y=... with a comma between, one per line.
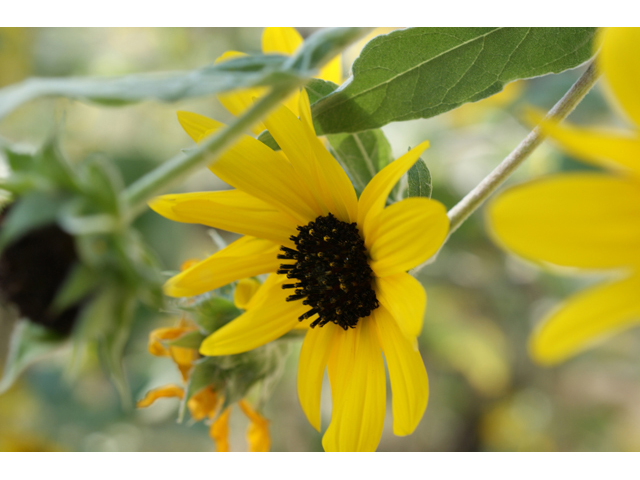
x=279, y=41
x=336, y=263
x=585, y=220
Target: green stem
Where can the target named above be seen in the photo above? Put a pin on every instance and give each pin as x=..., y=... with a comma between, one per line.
x=476, y=197
x=180, y=166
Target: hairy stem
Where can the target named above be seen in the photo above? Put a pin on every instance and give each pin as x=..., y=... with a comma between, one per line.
x=177, y=168
x=465, y=207
x=476, y=197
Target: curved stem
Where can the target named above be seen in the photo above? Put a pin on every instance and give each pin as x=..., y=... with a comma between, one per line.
x=181, y=165
x=465, y=207
x=476, y=197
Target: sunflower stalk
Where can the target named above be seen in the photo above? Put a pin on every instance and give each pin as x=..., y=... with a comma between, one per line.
x=476, y=197
x=317, y=51
x=180, y=166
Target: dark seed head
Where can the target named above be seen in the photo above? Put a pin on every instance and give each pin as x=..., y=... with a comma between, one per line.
x=332, y=269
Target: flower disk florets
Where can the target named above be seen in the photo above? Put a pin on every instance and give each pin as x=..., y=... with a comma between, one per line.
x=333, y=272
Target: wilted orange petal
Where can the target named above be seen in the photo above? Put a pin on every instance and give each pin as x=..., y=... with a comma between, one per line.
x=167, y=391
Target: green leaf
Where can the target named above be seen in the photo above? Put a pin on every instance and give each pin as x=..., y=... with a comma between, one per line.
x=422, y=72
x=318, y=88
x=241, y=72
x=29, y=343
x=167, y=87
x=214, y=312
x=418, y=181
x=78, y=284
x=189, y=340
x=362, y=154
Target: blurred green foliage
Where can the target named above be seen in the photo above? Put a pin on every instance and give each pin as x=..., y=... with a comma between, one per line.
x=482, y=303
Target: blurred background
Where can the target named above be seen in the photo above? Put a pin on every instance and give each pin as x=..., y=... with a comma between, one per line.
x=486, y=394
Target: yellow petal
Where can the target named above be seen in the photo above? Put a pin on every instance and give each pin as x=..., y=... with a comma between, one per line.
x=585, y=318
x=268, y=319
x=332, y=71
x=621, y=67
x=404, y=297
x=586, y=220
x=168, y=391
x=197, y=126
x=231, y=210
x=324, y=178
x=167, y=333
x=409, y=382
x=184, y=358
x=405, y=234
x=258, y=436
x=281, y=40
x=219, y=431
x=246, y=257
x=238, y=101
x=203, y=404
x=358, y=389
x=245, y=290
x=314, y=355
x=375, y=194
x=249, y=165
x=615, y=151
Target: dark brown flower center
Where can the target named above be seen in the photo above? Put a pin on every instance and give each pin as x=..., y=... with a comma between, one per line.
x=332, y=270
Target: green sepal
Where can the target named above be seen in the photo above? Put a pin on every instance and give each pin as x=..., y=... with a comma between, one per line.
x=418, y=181
x=188, y=340
x=362, y=155
x=214, y=312
x=77, y=286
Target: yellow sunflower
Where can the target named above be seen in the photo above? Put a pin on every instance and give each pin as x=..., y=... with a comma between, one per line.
x=585, y=220
x=337, y=263
x=281, y=41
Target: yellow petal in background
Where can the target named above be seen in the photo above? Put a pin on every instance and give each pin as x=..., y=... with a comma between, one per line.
x=404, y=297
x=246, y=257
x=280, y=40
x=612, y=150
x=405, y=234
x=332, y=71
x=619, y=61
x=238, y=101
x=258, y=436
x=409, y=382
x=314, y=356
x=359, y=393
x=168, y=391
x=374, y=196
x=203, y=403
x=586, y=220
x=585, y=318
x=265, y=321
x=219, y=431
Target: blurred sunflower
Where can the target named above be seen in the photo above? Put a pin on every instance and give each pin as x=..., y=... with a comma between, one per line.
x=207, y=403
x=336, y=262
x=281, y=41
x=585, y=220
